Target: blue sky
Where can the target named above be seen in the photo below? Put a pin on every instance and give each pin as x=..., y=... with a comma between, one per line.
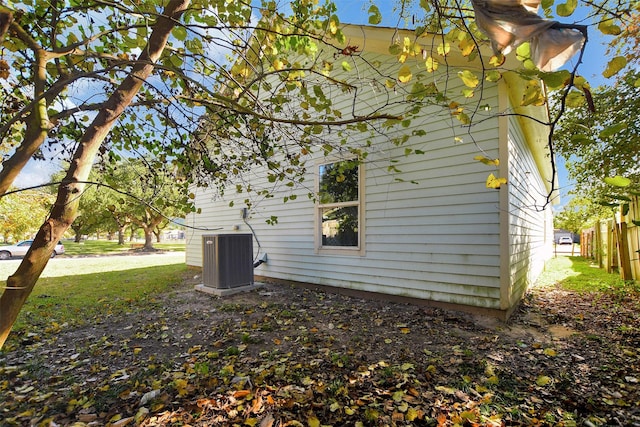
x=356, y=12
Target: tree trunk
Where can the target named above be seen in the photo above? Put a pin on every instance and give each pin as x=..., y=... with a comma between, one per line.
x=149, y=226
x=148, y=238
x=37, y=123
x=64, y=211
x=121, y=235
x=6, y=18
x=12, y=166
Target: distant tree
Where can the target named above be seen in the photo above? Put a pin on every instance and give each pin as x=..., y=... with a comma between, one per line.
x=93, y=215
x=21, y=213
x=603, y=142
x=160, y=228
x=121, y=220
x=155, y=195
x=580, y=213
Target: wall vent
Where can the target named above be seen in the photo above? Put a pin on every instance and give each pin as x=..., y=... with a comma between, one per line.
x=227, y=260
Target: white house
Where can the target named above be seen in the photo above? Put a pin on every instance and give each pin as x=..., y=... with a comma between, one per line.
x=437, y=234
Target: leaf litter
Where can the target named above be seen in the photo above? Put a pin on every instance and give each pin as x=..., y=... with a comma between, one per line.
x=290, y=356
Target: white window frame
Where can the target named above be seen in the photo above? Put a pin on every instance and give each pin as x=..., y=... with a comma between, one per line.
x=358, y=250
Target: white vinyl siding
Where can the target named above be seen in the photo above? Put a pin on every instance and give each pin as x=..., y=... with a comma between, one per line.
x=530, y=242
x=435, y=239
x=431, y=231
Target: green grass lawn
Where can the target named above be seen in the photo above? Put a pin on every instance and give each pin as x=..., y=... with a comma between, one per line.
x=98, y=284
x=102, y=286
x=102, y=247
x=574, y=273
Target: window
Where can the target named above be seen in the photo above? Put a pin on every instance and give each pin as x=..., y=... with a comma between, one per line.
x=339, y=224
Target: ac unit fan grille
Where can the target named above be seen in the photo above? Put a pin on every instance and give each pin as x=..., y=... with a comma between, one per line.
x=227, y=260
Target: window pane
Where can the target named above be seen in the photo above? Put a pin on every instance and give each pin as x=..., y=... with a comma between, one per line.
x=339, y=182
x=340, y=226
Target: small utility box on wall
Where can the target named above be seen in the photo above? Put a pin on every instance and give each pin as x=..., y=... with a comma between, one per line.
x=227, y=263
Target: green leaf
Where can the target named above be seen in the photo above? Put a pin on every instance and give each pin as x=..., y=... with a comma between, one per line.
x=313, y=421
x=346, y=66
x=575, y=99
x=533, y=94
x=528, y=64
x=395, y=49
x=469, y=78
x=375, y=17
x=446, y=390
x=523, y=51
x=405, y=75
x=610, y=131
x=195, y=46
x=407, y=366
x=609, y=28
x=179, y=33
x=411, y=415
x=176, y=60
x=580, y=139
x=466, y=45
x=614, y=66
x=497, y=60
x=131, y=43
x=543, y=380
x=463, y=118
x=468, y=92
x=444, y=49
x=618, y=181
x=556, y=80
x=567, y=9
x=493, y=75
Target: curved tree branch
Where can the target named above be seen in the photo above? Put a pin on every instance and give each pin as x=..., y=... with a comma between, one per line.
x=65, y=208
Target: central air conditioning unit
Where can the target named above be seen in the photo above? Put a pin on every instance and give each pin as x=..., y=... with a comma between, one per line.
x=227, y=260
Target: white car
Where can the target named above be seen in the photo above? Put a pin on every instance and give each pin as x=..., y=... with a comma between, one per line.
x=21, y=248
x=565, y=240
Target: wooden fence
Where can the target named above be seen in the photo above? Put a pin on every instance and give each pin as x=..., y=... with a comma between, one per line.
x=615, y=244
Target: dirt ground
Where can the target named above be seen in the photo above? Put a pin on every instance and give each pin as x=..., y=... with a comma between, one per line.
x=282, y=355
